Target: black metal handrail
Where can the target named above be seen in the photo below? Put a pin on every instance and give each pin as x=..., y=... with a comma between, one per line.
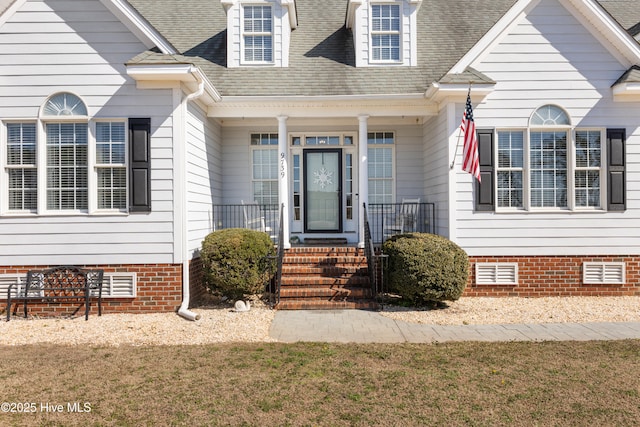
x=374, y=266
x=260, y=217
x=280, y=258
x=388, y=219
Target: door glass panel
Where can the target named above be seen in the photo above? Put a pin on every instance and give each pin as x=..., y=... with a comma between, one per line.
x=322, y=186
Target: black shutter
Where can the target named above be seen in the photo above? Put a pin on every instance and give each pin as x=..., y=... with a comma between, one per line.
x=139, y=165
x=616, y=180
x=485, y=196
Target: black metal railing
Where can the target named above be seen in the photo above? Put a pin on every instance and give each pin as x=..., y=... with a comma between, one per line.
x=252, y=216
x=387, y=219
x=279, y=259
x=374, y=261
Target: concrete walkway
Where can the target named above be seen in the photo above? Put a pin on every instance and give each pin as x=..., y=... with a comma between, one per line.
x=358, y=326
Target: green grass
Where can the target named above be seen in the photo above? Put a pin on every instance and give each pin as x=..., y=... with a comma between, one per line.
x=459, y=384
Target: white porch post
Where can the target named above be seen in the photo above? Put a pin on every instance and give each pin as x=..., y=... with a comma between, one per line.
x=283, y=178
x=363, y=175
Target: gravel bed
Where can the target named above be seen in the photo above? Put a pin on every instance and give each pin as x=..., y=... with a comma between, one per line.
x=216, y=325
x=486, y=311
x=224, y=325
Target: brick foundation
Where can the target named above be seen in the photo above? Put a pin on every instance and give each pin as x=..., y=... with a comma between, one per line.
x=158, y=290
x=544, y=276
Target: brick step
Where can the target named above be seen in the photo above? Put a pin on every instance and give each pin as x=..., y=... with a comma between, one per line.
x=325, y=251
x=324, y=281
x=339, y=293
x=325, y=271
x=315, y=260
x=327, y=278
x=326, y=305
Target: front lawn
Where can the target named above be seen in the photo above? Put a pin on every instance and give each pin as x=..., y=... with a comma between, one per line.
x=477, y=384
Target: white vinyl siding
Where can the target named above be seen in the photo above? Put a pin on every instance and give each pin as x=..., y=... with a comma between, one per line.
x=46, y=49
x=204, y=174
x=258, y=33
x=385, y=33
x=548, y=56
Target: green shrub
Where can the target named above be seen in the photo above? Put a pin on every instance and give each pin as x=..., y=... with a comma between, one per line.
x=426, y=267
x=235, y=261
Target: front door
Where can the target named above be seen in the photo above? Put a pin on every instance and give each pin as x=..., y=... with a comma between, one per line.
x=322, y=190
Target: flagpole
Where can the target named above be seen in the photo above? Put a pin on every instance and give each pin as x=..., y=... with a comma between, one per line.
x=453, y=162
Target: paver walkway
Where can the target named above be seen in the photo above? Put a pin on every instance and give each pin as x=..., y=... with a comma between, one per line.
x=359, y=326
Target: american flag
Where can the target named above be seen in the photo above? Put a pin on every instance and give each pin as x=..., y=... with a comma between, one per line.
x=470, y=159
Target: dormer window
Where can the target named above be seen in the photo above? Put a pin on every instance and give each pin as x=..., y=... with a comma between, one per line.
x=258, y=34
x=385, y=32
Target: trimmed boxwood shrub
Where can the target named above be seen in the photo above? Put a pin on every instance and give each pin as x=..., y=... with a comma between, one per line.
x=235, y=261
x=423, y=268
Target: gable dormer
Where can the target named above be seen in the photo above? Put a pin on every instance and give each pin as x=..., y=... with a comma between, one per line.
x=259, y=31
x=384, y=31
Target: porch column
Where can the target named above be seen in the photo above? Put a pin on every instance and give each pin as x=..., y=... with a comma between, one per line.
x=283, y=179
x=363, y=175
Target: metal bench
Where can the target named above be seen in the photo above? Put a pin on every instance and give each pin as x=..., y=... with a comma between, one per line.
x=64, y=283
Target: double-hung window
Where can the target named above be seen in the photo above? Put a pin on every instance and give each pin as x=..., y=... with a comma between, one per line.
x=110, y=165
x=264, y=159
x=380, y=164
x=385, y=32
x=550, y=165
x=22, y=171
x=66, y=162
x=258, y=34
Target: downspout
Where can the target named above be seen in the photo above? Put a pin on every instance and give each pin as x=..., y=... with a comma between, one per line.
x=186, y=294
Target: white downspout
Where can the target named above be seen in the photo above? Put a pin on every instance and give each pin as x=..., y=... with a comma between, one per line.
x=186, y=294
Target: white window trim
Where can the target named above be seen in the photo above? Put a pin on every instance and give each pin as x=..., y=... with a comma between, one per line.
x=41, y=166
x=494, y=270
x=602, y=268
x=243, y=61
x=253, y=148
x=571, y=169
x=400, y=59
x=393, y=160
x=94, y=166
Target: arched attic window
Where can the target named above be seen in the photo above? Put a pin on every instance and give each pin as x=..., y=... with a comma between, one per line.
x=64, y=104
x=550, y=115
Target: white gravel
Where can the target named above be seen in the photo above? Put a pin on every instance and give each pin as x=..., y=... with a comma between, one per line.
x=218, y=325
x=486, y=311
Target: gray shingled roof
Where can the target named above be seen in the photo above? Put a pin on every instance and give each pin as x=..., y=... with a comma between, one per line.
x=632, y=75
x=322, y=58
x=626, y=12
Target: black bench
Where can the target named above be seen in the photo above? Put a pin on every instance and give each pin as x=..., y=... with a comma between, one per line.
x=64, y=283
